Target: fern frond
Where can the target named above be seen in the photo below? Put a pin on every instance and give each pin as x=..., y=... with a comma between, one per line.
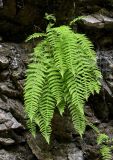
x=92, y=126
x=75, y=87
x=45, y=130
x=76, y=19
x=55, y=84
x=102, y=138
x=76, y=107
x=78, y=118
x=50, y=17
x=33, y=87
x=32, y=127
x=68, y=45
x=106, y=152
x=85, y=46
x=56, y=45
x=46, y=108
x=61, y=107
x=105, y=148
x=35, y=35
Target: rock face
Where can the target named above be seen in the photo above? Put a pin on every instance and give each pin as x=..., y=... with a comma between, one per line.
x=17, y=143
x=20, y=154
x=98, y=21
x=20, y=18
x=13, y=131
x=12, y=141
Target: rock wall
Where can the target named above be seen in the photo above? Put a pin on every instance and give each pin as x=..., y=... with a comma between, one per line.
x=12, y=129
x=18, y=18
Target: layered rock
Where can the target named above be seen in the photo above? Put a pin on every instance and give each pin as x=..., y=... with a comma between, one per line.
x=12, y=127
x=20, y=18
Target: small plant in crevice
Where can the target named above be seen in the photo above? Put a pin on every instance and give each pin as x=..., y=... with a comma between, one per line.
x=106, y=146
x=104, y=142
x=62, y=72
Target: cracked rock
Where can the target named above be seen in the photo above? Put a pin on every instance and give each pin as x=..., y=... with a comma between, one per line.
x=98, y=21
x=4, y=62
x=21, y=154
x=7, y=121
x=6, y=141
x=8, y=91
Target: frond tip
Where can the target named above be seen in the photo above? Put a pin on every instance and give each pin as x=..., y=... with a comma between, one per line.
x=62, y=72
x=35, y=35
x=102, y=138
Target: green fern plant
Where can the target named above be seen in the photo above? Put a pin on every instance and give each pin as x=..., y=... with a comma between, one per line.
x=104, y=141
x=62, y=72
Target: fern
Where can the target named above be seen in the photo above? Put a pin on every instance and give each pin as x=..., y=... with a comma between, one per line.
x=62, y=72
x=33, y=87
x=106, y=152
x=56, y=84
x=76, y=20
x=102, y=138
x=35, y=35
x=105, y=149
x=46, y=110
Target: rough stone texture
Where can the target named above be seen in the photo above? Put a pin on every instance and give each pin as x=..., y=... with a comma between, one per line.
x=56, y=151
x=12, y=118
x=6, y=90
x=3, y=62
x=13, y=145
x=75, y=154
x=18, y=17
x=98, y=21
x=104, y=100
x=8, y=121
x=6, y=141
x=17, y=154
